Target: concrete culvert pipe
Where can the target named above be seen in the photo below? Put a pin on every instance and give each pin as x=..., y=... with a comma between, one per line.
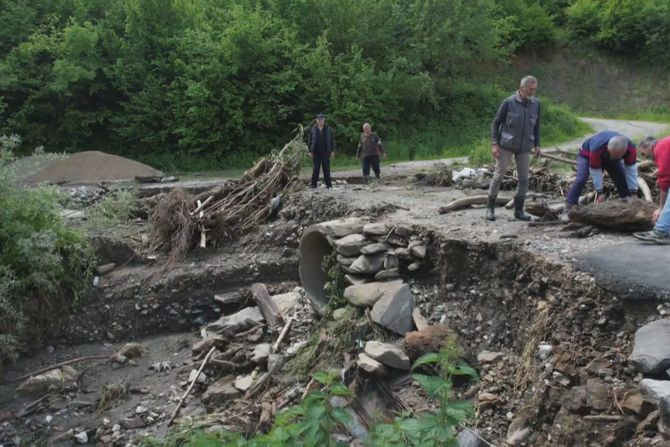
x=314, y=247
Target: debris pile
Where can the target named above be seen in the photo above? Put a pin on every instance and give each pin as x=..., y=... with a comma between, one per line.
x=228, y=210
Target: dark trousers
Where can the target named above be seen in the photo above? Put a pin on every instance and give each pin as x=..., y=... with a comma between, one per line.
x=321, y=159
x=615, y=170
x=371, y=161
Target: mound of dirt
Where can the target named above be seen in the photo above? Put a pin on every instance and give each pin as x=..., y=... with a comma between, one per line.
x=92, y=167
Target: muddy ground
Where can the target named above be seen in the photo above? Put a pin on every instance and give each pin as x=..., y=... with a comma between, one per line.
x=503, y=287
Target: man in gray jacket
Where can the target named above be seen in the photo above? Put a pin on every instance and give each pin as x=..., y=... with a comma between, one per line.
x=515, y=131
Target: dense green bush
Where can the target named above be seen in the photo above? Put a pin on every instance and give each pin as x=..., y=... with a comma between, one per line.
x=632, y=27
x=45, y=267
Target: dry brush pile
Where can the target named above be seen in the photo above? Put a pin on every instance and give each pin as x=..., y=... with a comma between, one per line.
x=179, y=220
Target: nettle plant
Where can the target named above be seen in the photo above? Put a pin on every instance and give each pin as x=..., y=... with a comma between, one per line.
x=431, y=429
x=324, y=413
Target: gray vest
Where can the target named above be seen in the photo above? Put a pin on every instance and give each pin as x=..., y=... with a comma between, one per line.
x=516, y=126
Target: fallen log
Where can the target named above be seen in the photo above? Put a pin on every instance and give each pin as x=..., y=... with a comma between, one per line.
x=266, y=305
x=629, y=215
x=65, y=363
x=531, y=195
x=466, y=202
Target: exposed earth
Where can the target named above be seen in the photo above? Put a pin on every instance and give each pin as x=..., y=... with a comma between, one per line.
x=548, y=321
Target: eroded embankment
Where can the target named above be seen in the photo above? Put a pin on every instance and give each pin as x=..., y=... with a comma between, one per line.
x=562, y=371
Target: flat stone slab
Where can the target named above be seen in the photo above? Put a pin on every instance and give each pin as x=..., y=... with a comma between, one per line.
x=651, y=350
x=350, y=245
x=342, y=227
x=368, y=264
x=387, y=354
x=630, y=275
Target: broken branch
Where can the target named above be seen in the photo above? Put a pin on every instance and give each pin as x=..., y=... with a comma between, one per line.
x=282, y=335
x=190, y=387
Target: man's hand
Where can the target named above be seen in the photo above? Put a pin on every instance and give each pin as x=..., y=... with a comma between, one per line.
x=537, y=151
x=656, y=215
x=332, y=154
x=311, y=154
x=600, y=197
x=495, y=150
x=384, y=155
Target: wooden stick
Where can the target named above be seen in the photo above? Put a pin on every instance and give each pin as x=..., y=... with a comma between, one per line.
x=58, y=365
x=646, y=192
x=468, y=201
x=28, y=408
x=561, y=159
x=282, y=335
x=266, y=304
x=201, y=205
x=188, y=390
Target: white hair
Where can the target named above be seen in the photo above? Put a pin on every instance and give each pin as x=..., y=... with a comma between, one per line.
x=526, y=80
x=617, y=143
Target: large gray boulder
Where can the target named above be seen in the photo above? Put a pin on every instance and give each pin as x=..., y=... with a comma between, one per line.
x=394, y=309
x=651, y=351
x=350, y=245
x=368, y=264
x=237, y=322
x=387, y=354
x=657, y=389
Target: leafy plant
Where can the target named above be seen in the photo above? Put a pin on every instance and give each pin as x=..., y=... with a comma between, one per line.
x=433, y=429
x=335, y=284
x=45, y=267
x=114, y=209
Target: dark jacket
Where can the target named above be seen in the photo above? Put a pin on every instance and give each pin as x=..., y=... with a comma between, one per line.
x=516, y=126
x=330, y=142
x=369, y=146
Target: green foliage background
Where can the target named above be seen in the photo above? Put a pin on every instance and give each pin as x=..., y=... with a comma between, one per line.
x=208, y=84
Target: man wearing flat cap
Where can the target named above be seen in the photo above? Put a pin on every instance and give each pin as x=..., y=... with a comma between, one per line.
x=321, y=148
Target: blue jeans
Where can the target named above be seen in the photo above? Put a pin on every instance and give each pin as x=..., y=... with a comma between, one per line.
x=615, y=170
x=371, y=161
x=663, y=222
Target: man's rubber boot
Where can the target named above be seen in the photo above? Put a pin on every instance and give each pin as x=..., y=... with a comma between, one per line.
x=519, y=214
x=366, y=179
x=491, y=209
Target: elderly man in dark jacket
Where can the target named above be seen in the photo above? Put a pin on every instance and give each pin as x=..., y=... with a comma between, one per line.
x=515, y=132
x=321, y=148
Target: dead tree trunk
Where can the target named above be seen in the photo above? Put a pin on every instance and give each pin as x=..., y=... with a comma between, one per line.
x=267, y=307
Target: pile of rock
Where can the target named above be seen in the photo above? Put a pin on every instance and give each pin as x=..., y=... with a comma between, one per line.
x=374, y=251
x=651, y=357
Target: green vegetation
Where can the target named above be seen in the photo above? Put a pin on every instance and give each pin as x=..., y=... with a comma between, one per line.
x=45, y=268
x=313, y=421
x=212, y=84
x=335, y=285
x=114, y=209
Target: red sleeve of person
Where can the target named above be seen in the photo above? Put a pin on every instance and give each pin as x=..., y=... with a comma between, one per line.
x=662, y=159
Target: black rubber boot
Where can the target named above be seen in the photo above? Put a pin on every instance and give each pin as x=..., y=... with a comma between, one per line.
x=366, y=179
x=518, y=209
x=491, y=209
